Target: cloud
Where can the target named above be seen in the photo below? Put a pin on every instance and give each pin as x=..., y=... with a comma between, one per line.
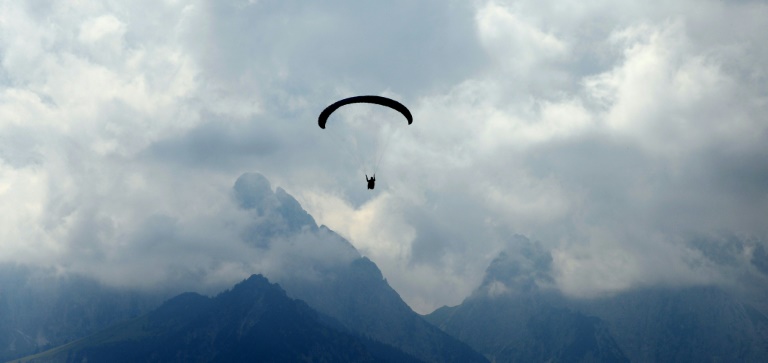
x=612, y=132
x=614, y=174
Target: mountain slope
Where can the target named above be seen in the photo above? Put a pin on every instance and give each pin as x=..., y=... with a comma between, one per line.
x=517, y=315
x=693, y=324
x=509, y=318
x=312, y=263
x=255, y=321
x=39, y=310
x=359, y=297
x=336, y=280
x=528, y=330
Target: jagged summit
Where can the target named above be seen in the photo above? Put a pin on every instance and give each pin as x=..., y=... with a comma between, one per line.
x=516, y=314
x=325, y=270
x=523, y=267
x=255, y=282
x=276, y=213
x=254, y=192
x=253, y=321
x=322, y=278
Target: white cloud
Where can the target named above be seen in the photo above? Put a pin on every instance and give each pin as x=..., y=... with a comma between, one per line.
x=515, y=44
x=102, y=28
x=590, y=126
x=661, y=95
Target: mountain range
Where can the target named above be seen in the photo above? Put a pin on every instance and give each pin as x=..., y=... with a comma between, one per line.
x=349, y=288
x=326, y=302
x=512, y=317
x=345, y=294
x=39, y=310
x=516, y=315
x=255, y=320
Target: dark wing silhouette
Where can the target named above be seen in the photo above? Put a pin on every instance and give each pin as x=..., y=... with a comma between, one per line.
x=379, y=100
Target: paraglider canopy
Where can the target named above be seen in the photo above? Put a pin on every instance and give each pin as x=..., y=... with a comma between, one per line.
x=379, y=100
x=379, y=154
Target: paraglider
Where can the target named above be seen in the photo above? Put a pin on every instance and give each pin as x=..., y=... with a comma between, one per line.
x=378, y=100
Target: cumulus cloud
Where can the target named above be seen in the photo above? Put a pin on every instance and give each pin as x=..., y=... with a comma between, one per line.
x=615, y=169
x=615, y=133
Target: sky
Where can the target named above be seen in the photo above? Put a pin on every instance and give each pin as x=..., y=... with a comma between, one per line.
x=620, y=135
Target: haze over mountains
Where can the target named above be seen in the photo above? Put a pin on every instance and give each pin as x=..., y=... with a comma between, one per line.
x=254, y=320
x=343, y=285
x=317, y=265
x=39, y=310
x=517, y=315
x=337, y=306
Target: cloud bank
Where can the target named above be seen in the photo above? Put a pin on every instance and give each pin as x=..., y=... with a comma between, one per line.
x=617, y=134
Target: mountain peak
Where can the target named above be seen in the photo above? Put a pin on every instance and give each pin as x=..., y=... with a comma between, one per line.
x=255, y=281
x=253, y=320
x=296, y=217
x=253, y=191
x=277, y=214
x=524, y=266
